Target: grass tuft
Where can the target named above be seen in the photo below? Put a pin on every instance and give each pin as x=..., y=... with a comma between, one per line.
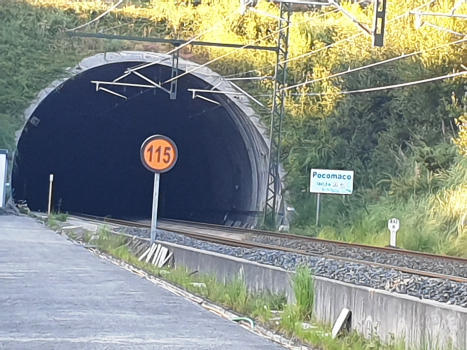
x=304, y=289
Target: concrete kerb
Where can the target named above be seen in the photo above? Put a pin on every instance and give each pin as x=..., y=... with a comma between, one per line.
x=421, y=323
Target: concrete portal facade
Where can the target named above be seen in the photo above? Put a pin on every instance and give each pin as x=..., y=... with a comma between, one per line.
x=56, y=295
x=83, y=127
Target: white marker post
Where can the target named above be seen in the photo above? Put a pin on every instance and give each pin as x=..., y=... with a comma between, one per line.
x=393, y=226
x=158, y=154
x=3, y=178
x=51, y=182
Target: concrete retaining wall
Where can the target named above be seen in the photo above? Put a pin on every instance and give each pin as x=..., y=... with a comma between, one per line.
x=422, y=323
x=258, y=277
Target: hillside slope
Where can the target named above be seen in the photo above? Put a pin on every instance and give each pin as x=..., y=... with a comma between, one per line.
x=398, y=141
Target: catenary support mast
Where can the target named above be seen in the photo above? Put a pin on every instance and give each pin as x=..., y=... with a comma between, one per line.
x=273, y=192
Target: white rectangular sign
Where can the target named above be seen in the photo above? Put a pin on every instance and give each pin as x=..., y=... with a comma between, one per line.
x=331, y=181
x=3, y=174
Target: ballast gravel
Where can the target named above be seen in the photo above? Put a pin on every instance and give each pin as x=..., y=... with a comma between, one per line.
x=358, y=274
x=415, y=262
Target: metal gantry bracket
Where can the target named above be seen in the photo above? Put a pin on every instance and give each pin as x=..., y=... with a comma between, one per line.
x=379, y=20
x=195, y=94
x=273, y=192
x=175, y=59
x=117, y=82
x=169, y=41
x=379, y=23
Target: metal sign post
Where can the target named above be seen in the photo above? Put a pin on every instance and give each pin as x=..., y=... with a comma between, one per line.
x=51, y=181
x=158, y=154
x=324, y=181
x=318, y=204
x=3, y=178
x=393, y=226
x=155, y=205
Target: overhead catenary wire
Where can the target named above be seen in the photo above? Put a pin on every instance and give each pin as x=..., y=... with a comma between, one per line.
x=389, y=87
x=443, y=29
x=241, y=48
x=456, y=6
x=352, y=37
x=285, y=61
x=138, y=67
x=390, y=60
x=141, y=66
x=310, y=53
x=290, y=25
x=352, y=18
x=264, y=77
x=339, y=42
x=249, y=96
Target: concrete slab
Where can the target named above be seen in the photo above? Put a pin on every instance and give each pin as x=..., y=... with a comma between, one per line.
x=56, y=295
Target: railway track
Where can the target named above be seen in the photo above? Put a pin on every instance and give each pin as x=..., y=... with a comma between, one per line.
x=408, y=262
x=396, y=257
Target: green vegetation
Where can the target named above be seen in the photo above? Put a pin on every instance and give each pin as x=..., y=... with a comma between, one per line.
x=304, y=289
x=399, y=142
x=52, y=223
x=34, y=52
x=54, y=220
x=234, y=295
x=63, y=217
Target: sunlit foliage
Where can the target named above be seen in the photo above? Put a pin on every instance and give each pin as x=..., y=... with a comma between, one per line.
x=398, y=142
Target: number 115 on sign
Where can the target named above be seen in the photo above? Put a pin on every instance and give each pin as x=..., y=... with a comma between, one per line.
x=159, y=154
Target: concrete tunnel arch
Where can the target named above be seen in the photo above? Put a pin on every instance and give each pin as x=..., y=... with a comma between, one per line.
x=90, y=141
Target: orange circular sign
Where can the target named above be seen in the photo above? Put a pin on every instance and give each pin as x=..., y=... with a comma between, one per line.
x=159, y=153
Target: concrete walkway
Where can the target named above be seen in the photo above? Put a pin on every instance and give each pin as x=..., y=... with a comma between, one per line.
x=56, y=295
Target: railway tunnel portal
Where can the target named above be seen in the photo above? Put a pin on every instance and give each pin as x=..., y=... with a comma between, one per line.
x=90, y=140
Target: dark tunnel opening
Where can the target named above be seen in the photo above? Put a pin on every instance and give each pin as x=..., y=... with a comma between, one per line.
x=91, y=140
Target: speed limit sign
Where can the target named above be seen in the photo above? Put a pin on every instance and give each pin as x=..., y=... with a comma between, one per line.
x=158, y=154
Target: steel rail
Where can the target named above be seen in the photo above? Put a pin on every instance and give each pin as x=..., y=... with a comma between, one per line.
x=290, y=236
x=251, y=245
